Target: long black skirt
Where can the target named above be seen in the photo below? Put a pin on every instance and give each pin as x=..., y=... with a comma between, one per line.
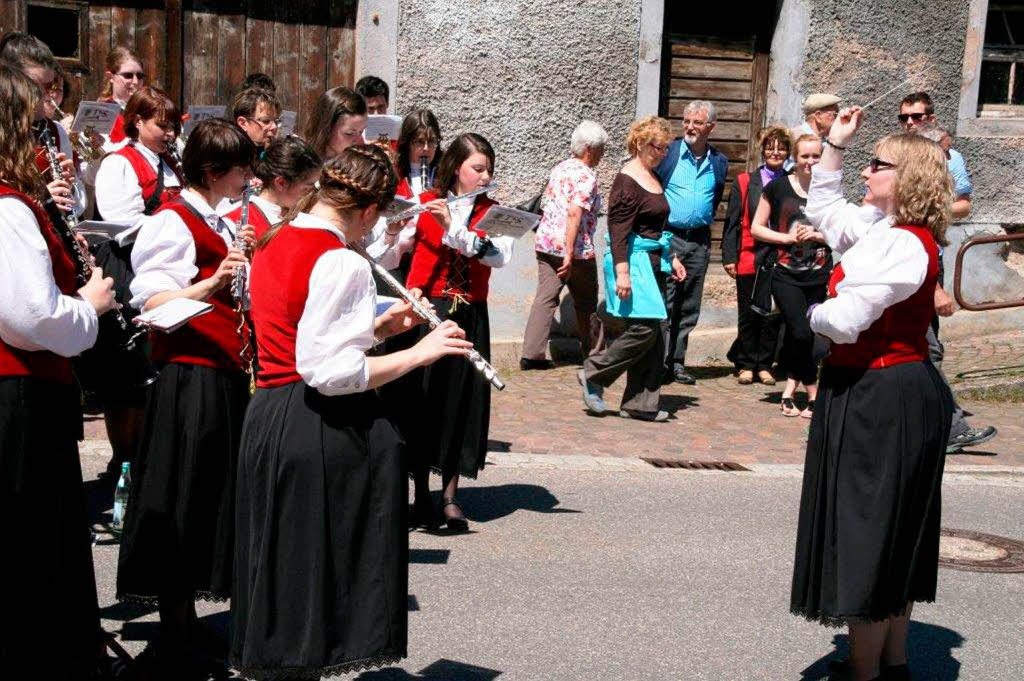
x=457, y=414
x=178, y=539
x=868, y=536
x=47, y=585
x=322, y=548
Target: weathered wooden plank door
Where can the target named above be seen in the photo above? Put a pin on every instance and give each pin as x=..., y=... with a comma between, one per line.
x=732, y=75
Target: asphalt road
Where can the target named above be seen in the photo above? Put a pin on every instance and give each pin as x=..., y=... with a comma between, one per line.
x=630, y=575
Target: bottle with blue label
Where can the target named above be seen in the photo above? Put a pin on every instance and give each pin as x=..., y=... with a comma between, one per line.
x=124, y=485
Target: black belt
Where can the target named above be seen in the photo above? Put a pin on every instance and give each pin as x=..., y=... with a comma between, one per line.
x=687, y=232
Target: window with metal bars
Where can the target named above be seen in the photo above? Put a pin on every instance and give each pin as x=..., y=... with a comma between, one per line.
x=1001, y=88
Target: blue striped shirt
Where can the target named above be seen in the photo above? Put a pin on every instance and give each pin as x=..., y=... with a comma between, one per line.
x=690, y=191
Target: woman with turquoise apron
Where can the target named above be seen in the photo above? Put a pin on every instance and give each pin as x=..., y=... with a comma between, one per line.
x=635, y=267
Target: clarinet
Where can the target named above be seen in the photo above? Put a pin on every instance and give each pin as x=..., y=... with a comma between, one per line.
x=64, y=224
x=474, y=357
x=175, y=158
x=424, y=174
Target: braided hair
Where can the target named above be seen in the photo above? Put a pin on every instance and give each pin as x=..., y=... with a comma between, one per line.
x=361, y=176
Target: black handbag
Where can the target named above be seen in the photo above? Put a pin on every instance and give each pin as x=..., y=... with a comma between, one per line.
x=761, y=299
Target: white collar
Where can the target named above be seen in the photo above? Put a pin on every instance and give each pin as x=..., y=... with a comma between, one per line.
x=147, y=153
x=271, y=210
x=310, y=221
x=209, y=215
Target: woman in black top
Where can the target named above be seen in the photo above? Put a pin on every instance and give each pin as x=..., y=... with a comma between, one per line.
x=803, y=264
x=637, y=210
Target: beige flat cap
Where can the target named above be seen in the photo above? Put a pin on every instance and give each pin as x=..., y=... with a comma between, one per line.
x=817, y=101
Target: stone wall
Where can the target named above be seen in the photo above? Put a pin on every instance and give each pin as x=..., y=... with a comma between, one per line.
x=522, y=73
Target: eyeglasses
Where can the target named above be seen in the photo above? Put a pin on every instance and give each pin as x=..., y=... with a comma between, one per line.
x=128, y=75
x=266, y=122
x=776, y=150
x=425, y=142
x=877, y=164
x=916, y=117
x=660, y=148
x=695, y=122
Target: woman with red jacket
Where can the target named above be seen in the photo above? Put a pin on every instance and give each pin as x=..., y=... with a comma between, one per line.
x=753, y=352
x=47, y=316
x=867, y=543
x=451, y=263
x=178, y=536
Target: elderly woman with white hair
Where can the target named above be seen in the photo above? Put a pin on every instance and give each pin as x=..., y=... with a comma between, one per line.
x=565, y=247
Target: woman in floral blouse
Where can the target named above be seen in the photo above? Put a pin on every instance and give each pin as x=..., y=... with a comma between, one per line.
x=565, y=247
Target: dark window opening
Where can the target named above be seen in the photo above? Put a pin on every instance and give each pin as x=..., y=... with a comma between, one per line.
x=55, y=26
x=1001, y=87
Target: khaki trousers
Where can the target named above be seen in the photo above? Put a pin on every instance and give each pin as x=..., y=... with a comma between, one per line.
x=582, y=283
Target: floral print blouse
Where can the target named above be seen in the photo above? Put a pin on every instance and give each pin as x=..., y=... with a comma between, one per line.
x=572, y=182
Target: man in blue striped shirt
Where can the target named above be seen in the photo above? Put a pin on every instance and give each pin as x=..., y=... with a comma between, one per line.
x=693, y=175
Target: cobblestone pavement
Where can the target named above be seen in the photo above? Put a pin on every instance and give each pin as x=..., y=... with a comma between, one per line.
x=541, y=412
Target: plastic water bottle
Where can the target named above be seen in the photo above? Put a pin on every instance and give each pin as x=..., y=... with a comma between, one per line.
x=124, y=485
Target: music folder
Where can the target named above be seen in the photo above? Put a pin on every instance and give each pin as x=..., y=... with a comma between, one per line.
x=173, y=314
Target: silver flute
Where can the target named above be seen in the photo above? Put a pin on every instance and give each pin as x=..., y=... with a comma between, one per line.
x=238, y=284
x=433, y=321
x=422, y=207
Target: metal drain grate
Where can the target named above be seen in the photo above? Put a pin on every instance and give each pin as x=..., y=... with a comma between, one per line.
x=980, y=552
x=697, y=465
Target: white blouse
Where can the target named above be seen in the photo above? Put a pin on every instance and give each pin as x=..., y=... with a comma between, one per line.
x=164, y=257
x=119, y=194
x=34, y=314
x=460, y=238
x=882, y=265
x=336, y=327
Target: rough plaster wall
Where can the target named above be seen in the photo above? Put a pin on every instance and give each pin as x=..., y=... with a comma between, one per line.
x=789, y=45
x=522, y=73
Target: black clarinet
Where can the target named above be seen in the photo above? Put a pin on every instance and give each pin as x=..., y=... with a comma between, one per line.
x=116, y=341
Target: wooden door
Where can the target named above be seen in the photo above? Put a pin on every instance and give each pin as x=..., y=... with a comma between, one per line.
x=732, y=75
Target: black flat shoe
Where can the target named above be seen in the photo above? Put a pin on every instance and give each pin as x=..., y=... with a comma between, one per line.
x=527, y=364
x=455, y=524
x=423, y=514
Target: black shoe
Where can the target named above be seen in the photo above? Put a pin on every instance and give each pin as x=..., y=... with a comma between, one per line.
x=459, y=524
x=423, y=514
x=530, y=364
x=653, y=416
x=972, y=437
x=899, y=672
x=681, y=375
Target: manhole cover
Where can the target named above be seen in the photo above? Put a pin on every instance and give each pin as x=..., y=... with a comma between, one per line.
x=979, y=552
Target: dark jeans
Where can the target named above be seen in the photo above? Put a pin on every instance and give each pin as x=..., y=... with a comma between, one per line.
x=757, y=335
x=797, y=356
x=638, y=351
x=682, y=298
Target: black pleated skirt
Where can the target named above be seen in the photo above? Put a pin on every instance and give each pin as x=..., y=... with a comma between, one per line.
x=117, y=378
x=457, y=407
x=322, y=548
x=50, y=617
x=178, y=539
x=868, y=534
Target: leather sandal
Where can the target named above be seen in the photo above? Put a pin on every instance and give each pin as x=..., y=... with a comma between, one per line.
x=788, y=408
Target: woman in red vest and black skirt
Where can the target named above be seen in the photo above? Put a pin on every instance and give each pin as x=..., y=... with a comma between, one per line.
x=46, y=317
x=451, y=264
x=321, y=559
x=132, y=183
x=178, y=536
x=868, y=536
x=288, y=169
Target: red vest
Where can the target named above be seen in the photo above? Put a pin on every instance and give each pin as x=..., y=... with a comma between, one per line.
x=41, y=363
x=257, y=218
x=404, y=189
x=745, y=265
x=278, y=288
x=898, y=336
x=433, y=263
x=212, y=339
x=147, y=176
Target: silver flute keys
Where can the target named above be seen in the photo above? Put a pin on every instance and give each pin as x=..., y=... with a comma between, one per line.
x=474, y=357
x=424, y=174
x=422, y=207
x=238, y=283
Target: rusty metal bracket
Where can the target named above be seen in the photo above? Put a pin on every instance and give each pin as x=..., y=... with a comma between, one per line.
x=958, y=272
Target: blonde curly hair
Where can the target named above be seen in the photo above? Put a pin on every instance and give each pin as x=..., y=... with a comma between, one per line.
x=646, y=130
x=922, y=185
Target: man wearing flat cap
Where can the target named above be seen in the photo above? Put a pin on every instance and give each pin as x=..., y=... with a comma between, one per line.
x=820, y=111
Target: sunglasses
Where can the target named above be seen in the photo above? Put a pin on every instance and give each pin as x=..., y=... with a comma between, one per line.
x=128, y=75
x=877, y=164
x=917, y=117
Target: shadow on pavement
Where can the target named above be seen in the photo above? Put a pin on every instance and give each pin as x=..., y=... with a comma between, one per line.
x=929, y=652
x=674, y=403
x=483, y=504
x=442, y=670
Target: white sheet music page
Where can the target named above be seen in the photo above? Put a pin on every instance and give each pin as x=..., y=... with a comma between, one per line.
x=173, y=314
x=505, y=221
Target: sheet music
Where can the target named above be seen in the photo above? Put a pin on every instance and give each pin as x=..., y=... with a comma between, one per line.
x=96, y=116
x=382, y=125
x=397, y=206
x=173, y=314
x=505, y=221
x=201, y=112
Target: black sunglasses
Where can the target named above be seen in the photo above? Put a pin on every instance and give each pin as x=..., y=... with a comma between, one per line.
x=877, y=164
x=903, y=118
